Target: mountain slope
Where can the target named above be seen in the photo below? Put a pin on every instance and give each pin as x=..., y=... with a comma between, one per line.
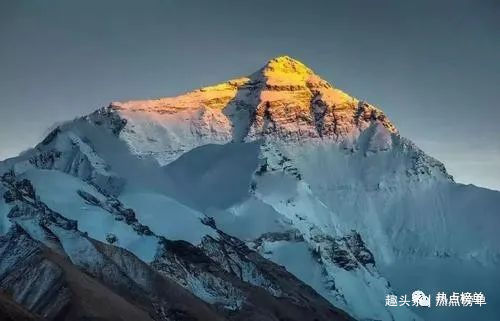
x=11, y=311
x=57, y=271
x=211, y=187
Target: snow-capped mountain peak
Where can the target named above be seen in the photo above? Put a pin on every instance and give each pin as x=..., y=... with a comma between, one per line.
x=284, y=99
x=210, y=187
x=283, y=69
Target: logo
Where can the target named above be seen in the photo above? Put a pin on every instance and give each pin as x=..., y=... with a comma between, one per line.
x=419, y=299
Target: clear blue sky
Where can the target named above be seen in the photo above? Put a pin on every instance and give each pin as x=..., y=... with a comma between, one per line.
x=432, y=66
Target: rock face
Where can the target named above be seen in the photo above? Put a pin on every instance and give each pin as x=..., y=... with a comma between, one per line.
x=69, y=153
x=284, y=100
x=269, y=197
x=12, y=311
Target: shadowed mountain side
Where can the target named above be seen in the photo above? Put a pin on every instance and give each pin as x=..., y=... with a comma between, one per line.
x=213, y=175
x=105, y=292
x=12, y=311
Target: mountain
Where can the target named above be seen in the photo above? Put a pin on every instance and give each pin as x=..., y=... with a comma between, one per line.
x=284, y=100
x=269, y=197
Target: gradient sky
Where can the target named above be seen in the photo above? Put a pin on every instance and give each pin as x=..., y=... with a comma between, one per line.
x=432, y=66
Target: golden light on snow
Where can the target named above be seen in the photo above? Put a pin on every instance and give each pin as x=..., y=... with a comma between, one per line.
x=284, y=88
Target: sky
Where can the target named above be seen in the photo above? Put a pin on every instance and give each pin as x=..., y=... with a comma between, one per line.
x=432, y=66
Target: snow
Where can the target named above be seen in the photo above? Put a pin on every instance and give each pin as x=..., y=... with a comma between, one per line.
x=249, y=220
x=375, y=196
x=213, y=176
x=398, y=215
x=35, y=230
x=367, y=298
x=209, y=289
x=167, y=217
x=80, y=250
x=167, y=136
x=281, y=202
x=59, y=192
x=296, y=257
x=95, y=160
x=358, y=292
x=381, y=139
x=4, y=210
